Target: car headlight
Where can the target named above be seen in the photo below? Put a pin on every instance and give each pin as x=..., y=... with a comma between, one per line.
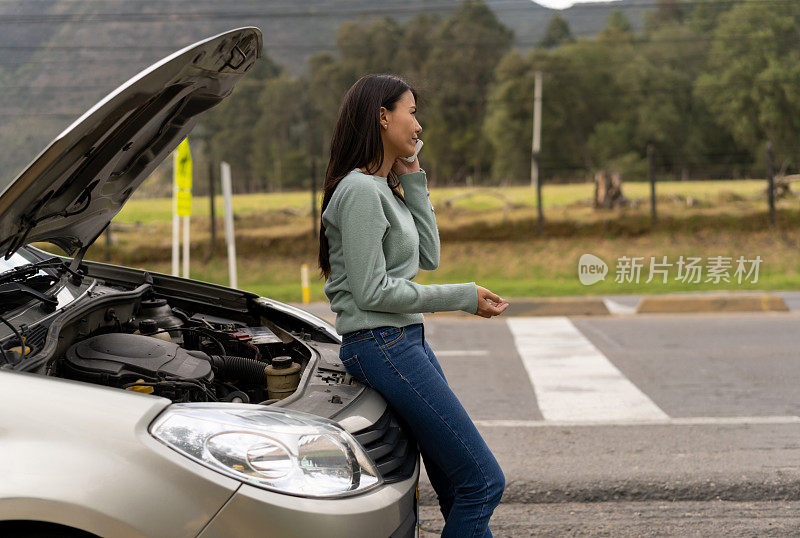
x=271, y=448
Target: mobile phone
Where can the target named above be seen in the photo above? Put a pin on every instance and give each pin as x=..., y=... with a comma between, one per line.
x=417, y=147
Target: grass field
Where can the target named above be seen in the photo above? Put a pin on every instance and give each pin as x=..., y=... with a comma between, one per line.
x=145, y=210
x=491, y=236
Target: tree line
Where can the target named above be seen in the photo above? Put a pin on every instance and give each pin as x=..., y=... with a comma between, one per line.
x=706, y=83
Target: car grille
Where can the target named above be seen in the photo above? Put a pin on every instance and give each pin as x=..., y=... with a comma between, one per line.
x=389, y=445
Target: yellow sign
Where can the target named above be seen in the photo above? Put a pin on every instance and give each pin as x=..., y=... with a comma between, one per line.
x=183, y=179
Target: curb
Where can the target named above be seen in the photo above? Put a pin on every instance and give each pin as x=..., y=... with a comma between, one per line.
x=688, y=303
x=550, y=306
x=557, y=306
x=529, y=492
x=671, y=304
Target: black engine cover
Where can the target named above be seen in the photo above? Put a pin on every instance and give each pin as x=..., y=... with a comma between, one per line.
x=121, y=356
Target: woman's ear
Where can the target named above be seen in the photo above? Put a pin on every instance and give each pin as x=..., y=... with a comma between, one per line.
x=383, y=118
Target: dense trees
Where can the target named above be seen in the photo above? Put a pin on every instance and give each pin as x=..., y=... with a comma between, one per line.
x=457, y=74
x=751, y=84
x=557, y=33
x=706, y=83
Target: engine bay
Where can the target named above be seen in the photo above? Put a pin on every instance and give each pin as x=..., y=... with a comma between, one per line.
x=186, y=357
x=139, y=341
x=184, y=340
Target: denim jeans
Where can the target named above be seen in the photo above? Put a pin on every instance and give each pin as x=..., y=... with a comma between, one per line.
x=398, y=363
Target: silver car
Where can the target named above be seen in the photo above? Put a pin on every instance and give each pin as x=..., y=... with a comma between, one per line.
x=141, y=404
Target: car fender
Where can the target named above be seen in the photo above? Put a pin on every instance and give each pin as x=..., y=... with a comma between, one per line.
x=66, y=444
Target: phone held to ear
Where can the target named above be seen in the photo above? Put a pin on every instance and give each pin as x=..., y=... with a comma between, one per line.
x=417, y=147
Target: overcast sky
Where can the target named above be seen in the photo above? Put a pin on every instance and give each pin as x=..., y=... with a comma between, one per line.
x=563, y=4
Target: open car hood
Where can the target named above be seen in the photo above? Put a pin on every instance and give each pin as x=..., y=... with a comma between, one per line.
x=72, y=190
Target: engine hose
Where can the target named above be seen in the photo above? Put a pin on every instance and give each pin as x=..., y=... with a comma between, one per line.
x=239, y=368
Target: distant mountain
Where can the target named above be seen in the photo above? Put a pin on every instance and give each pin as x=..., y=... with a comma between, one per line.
x=60, y=56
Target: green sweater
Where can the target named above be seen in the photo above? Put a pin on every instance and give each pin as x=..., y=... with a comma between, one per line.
x=377, y=245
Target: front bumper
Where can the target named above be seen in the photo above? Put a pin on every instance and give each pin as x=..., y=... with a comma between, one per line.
x=387, y=511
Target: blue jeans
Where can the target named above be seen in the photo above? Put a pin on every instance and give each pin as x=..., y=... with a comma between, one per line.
x=398, y=363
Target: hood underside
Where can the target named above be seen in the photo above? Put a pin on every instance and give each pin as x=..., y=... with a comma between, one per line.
x=72, y=190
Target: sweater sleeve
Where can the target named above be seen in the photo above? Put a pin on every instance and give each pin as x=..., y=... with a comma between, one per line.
x=415, y=192
x=363, y=224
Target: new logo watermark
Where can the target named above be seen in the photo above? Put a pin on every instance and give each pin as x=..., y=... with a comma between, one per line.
x=591, y=269
x=689, y=269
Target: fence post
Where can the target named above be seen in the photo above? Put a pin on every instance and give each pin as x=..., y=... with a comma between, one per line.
x=211, y=194
x=651, y=173
x=108, y=243
x=539, y=206
x=771, y=182
x=212, y=209
x=313, y=178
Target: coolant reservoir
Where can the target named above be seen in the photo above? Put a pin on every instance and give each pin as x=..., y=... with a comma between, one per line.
x=149, y=327
x=283, y=377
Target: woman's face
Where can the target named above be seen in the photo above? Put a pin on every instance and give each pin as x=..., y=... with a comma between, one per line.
x=400, y=128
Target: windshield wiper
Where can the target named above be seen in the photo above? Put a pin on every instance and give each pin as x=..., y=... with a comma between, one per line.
x=18, y=289
x=25, y=271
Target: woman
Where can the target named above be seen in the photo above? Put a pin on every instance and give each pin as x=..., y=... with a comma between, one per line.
x=373, y=241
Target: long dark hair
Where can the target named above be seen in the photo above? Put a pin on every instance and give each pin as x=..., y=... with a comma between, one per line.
x=356, y=141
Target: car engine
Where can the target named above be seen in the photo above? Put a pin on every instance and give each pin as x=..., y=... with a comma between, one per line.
x=184, y=356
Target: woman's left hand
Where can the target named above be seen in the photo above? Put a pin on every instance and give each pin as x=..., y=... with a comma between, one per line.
x=401, y=167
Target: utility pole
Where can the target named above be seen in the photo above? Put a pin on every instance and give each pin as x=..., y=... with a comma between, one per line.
x=771, y=182
x=536, y=146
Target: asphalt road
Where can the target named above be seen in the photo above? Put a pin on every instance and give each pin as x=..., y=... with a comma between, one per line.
x=688, y=408
x=632, y=425
x=635, y=519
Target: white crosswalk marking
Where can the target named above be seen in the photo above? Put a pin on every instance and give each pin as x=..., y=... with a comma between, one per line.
x=573, y=381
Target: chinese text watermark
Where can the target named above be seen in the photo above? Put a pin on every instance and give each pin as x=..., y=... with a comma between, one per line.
x=662, y=269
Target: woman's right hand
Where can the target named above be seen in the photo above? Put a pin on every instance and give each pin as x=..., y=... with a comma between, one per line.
x=489, y=304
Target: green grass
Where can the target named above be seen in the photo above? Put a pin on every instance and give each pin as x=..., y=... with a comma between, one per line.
x=496, y=246
x=160, y=209
x=140, y=210
x=543, y=267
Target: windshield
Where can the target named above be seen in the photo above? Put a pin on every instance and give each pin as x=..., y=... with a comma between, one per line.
x=18, y=259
